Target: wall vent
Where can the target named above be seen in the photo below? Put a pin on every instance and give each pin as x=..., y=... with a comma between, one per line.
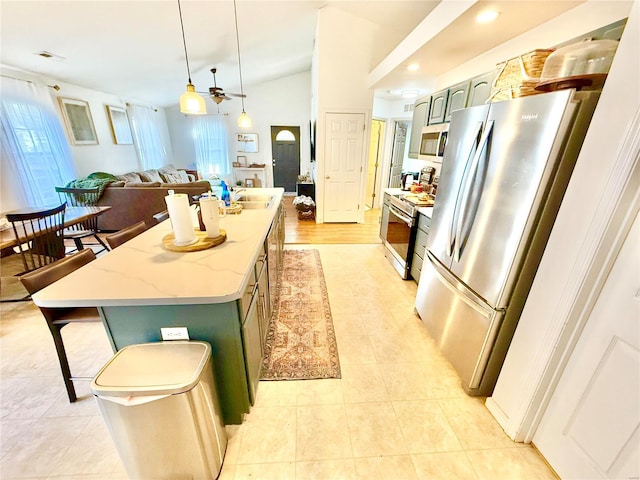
x=408, y=107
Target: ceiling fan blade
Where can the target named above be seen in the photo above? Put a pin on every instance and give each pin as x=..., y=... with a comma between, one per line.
x=236, y=95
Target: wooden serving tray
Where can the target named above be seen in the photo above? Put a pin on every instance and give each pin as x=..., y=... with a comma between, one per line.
x=202, y=242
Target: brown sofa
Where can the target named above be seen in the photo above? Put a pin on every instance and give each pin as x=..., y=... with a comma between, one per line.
x=134, y=201
x=137, y=196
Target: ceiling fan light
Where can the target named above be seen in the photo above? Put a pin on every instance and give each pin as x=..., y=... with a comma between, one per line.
x=244, y=120
x=191, y=103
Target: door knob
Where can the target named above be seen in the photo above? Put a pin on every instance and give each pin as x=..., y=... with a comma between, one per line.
x=327, y=177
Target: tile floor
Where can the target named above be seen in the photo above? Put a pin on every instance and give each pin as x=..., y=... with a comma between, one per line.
x=397, y=413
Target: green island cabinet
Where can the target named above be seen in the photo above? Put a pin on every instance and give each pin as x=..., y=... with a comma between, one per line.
x=236, y=330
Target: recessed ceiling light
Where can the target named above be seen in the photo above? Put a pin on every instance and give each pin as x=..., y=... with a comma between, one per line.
x=487, y=16
x=409, y=93
x=413, y=67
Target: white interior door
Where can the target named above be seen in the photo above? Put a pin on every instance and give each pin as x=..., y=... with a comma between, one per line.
x=590, y=429
x=397, y=155
x=344, y=142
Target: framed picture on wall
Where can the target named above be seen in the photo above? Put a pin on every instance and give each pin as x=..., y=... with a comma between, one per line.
x=120, y=128
x=78, y=120
x=247, y=142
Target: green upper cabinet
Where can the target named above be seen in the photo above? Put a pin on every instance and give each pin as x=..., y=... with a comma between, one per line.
x=438, y=106
x=480, y=89
x=420, y=116
x=458, y=95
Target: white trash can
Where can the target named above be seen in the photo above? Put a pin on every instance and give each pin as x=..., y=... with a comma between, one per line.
x=161, y=407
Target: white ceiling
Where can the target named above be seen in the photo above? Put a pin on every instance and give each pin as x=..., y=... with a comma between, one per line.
x=134, y=48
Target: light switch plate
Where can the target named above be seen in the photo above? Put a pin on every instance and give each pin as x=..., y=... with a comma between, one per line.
x=174, y=333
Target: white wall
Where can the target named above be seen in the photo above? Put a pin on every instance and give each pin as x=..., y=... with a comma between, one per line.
x=106, y=156
x=343, y=47
x=285, y=101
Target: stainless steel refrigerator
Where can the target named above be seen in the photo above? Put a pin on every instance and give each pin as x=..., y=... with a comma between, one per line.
x=504, y=172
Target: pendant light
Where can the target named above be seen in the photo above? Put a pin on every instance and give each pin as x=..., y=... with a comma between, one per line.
x=244, y=121
x=190, y=102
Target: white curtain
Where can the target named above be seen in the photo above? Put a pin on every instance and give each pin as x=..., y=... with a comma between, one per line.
x=147, y=137
x=35, y=152
x=210, y=140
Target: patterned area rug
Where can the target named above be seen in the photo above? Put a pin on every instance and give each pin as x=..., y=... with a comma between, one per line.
x=301, y=342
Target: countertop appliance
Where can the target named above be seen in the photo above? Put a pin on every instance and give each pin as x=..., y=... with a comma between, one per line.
x=398, y=227
x=505, y=170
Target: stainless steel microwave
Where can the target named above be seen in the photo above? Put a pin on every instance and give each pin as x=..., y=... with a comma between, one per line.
x=433, y=142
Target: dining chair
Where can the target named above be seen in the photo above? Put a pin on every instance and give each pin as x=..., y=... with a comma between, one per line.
x=39, y=235
x=59, y=317
x=118, y=238
x=82, y=197
x=161, y=216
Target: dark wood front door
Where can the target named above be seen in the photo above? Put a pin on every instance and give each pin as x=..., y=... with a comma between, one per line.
x=286, y=156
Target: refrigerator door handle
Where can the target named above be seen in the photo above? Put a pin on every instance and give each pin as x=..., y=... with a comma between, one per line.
x=450, y=282
x=456, y=211
x=467, y=188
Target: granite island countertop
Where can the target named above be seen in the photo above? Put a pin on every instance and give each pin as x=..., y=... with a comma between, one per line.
x=142, y=272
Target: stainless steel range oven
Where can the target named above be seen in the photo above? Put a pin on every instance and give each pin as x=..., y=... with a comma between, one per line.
x=398, y=231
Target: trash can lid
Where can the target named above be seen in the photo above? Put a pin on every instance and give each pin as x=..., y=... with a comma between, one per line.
x=162, y=368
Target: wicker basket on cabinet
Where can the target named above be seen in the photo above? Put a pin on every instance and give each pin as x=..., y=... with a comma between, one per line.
x=518, y=76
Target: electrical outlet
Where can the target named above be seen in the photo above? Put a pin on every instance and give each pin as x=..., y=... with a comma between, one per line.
x=174, y=333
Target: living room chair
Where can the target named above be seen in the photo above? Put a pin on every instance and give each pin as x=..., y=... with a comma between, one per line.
x=121, y=236
x=39, y=235
x=82, y=197
x=59, y=317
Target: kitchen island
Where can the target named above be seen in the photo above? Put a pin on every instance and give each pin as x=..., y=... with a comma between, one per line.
x=222, y=294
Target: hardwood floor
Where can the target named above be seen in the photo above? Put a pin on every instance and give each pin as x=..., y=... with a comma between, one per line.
x=310, y=232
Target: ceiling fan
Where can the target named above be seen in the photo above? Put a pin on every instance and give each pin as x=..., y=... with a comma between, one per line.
x=217, y=94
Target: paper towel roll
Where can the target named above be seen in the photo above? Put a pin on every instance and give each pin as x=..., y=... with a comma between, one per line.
x=180, y=216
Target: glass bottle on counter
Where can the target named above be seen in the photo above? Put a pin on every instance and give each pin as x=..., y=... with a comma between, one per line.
x=225, y=197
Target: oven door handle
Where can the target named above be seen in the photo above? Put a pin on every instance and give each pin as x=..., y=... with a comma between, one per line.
x=402, y=216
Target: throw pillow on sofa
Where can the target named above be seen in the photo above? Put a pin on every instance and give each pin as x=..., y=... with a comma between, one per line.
x=150, y=176
x=130, y=177
x=179, y=176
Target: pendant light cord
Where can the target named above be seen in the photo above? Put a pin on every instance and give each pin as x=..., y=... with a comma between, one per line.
x=184, y=41
x=235, y=13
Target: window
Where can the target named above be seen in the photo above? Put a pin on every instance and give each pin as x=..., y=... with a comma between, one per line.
x=210, y=140
x=147, y=137
x=36, y=156
x=285, y=136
